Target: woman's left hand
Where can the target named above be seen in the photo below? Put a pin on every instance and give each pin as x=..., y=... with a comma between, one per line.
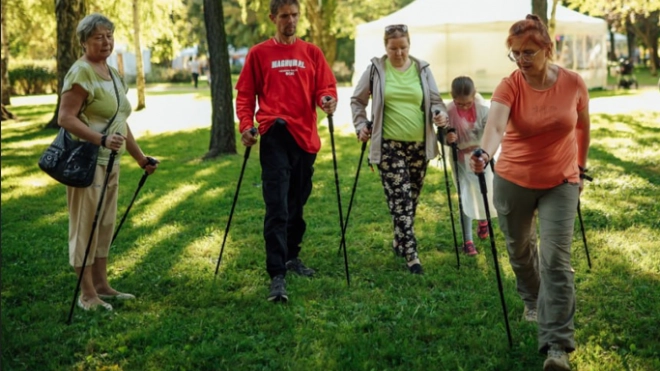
x=441, y=119
x=149, y=164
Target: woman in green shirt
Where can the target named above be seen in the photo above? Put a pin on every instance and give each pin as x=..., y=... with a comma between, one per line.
x=404, y=101
x=92, y=94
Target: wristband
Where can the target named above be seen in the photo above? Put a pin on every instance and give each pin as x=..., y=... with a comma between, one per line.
x=487, y=154
x=103, y=138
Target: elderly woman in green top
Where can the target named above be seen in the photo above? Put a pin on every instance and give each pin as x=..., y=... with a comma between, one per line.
x=405, y=101
x=92, y=94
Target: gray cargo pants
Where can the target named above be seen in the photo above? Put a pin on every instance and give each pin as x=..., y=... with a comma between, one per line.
x=546, y=283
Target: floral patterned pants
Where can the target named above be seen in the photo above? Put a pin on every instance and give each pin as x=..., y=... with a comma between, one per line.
x=402, y=170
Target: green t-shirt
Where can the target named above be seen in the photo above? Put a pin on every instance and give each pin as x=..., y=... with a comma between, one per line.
x=403, y=118
x=101, y=102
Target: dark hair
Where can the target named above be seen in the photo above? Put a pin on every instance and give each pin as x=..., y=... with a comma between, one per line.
x=462, y=86
x=531, y=29
x=275, y=5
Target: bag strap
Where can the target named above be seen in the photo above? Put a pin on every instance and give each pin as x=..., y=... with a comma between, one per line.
x=118, y=102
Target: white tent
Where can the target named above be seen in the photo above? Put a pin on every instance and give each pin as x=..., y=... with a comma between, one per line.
x=467, y=37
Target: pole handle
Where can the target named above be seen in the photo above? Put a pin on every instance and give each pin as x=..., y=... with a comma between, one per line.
x=482, y=179
x=253, y=131
x=327, y=98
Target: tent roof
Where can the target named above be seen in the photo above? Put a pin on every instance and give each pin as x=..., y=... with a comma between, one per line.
x=427, y=13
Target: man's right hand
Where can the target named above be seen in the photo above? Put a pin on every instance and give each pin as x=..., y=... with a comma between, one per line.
x=247, y=138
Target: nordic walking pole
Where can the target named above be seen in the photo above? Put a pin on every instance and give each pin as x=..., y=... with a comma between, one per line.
x=454, y=153
x=579, y=212
x=150, y=161
x=441, y=139
x=246, y=155
x=108, y=170
x=331, y=127
x=484, y=193
x=350, y=203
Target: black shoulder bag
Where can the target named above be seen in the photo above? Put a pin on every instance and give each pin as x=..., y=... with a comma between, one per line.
x=73, y=162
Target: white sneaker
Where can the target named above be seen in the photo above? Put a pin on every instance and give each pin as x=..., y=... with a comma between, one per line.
x=557, y=359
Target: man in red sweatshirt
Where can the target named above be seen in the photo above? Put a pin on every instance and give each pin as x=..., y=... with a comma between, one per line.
x=290, y=78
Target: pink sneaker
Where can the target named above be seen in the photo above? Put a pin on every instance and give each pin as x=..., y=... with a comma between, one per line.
x=469, y=248
x=482, y=230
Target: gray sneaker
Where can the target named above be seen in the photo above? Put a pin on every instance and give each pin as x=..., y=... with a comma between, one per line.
x=557, y=359
x=529, y=314
x=278, y=289
x=296, y=266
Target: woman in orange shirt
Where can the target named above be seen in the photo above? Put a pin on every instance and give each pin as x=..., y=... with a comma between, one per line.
x=544, y=110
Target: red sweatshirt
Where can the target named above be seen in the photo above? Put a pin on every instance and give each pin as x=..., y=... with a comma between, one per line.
x=290, y=81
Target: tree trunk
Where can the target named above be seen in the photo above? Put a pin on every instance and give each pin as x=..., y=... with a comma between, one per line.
x=552, y=24
x=321, y=19
x=139, y=79
x=612, y=53
x=68, y=13
x=630, y=34
x=6, y=91
x=6, y=115
x=223, y=134
x=540, y=8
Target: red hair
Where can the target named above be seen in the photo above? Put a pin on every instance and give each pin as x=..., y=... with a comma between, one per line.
x=534, y=30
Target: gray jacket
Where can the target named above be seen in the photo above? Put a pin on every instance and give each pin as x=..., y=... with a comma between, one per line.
x=360, y=100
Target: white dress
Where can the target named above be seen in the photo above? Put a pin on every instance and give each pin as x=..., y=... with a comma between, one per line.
x=469, y=137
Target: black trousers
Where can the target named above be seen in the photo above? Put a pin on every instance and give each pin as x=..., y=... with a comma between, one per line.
x=195, y=77
x=286, y=174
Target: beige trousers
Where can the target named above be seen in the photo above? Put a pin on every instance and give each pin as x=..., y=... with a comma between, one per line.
x=544, y=275
x=83, y=203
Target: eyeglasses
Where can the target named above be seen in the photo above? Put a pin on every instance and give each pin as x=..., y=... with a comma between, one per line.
x=464, y=105
x=526, y=56
x=396, y=27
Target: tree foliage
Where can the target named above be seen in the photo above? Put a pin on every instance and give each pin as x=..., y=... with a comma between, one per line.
x=638, y=16
x=322, y=23
x=171, y=25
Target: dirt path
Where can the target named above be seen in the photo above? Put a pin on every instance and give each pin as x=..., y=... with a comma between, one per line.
x=166, y=113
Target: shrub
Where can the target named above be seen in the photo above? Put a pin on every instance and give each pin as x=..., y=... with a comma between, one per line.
x=342, y=72
x=235, y=69
x=160, y=74
x=32, y=77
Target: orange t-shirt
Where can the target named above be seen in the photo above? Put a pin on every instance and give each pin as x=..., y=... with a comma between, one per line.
x=539, y=148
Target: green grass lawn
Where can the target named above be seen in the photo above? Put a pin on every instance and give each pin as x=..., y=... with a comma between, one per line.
x=187, y=319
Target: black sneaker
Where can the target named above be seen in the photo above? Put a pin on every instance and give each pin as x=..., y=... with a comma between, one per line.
x=278, y=289
x=416, y=269
x=296, y=266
